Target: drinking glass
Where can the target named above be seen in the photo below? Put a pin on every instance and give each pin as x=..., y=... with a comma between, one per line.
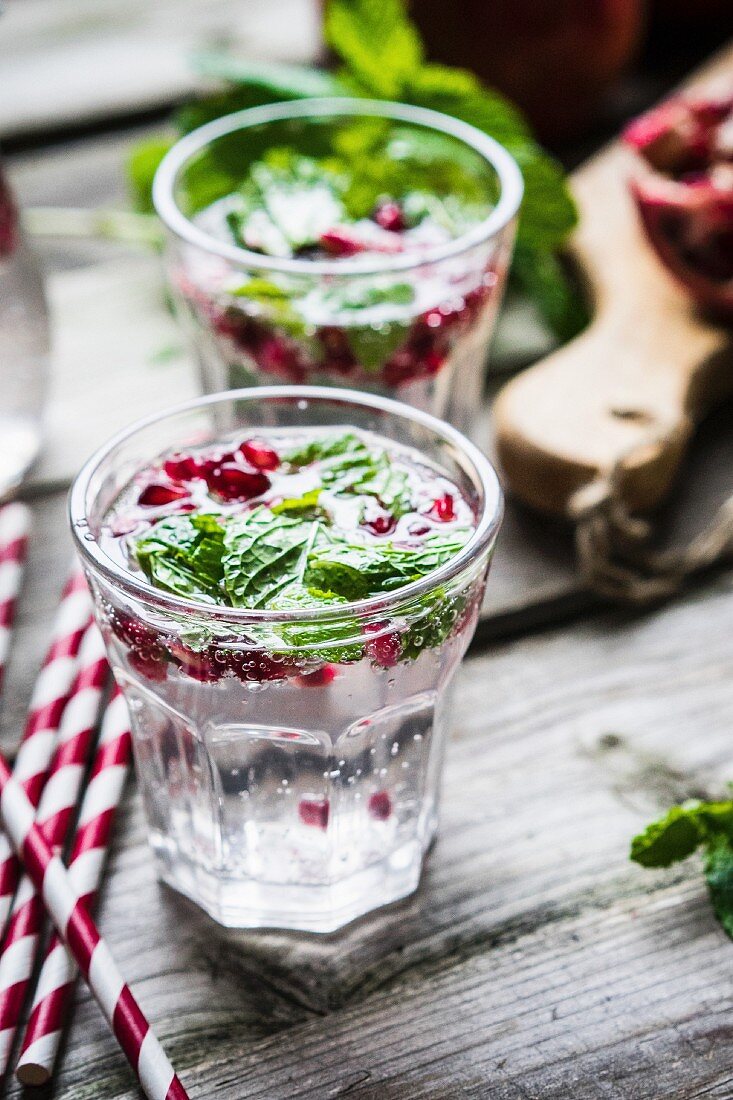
x=289, y=762
x=412, y=326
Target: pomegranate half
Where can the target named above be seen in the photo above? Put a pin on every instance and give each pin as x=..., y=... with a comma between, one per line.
x=685, y=194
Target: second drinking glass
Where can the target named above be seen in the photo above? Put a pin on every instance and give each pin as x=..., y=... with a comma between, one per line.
x=341, y=242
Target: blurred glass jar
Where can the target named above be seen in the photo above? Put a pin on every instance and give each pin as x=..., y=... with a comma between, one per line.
x=414, y=326
x=24, y=347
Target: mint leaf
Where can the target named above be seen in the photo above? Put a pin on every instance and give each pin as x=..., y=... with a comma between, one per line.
x=182, y=554
x=674, y=837
x=263, y=554
x=680, y=832
x=542, y=277
x=379, y=44
x=330, y=446
x=306, y=506
x=372, y=346
x=356, y=572
x=719, y=876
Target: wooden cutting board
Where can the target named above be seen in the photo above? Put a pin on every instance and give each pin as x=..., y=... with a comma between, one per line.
x=634, y=385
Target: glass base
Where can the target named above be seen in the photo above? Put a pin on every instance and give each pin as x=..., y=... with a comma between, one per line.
x=238, y=903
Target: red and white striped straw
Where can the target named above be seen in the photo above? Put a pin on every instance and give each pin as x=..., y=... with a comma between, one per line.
x=55, y=814
x=55, y=987
x=92, y=955
x=15, y=522
x=50, y=696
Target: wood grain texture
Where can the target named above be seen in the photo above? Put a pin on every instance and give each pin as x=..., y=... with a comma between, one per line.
x=535, y=961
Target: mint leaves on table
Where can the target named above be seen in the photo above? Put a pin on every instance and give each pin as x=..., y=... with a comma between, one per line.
x=682, y=831
x=382, y=57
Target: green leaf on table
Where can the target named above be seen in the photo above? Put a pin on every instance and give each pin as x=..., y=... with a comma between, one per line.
x=674, y=837
x=719, y=876
x=680, y=832
x=379, y=44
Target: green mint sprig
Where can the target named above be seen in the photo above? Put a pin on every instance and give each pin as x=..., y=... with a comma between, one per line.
x=382, y=56
x=685, y=829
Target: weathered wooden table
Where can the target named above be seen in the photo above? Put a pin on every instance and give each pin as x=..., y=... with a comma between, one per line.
x=535, y=961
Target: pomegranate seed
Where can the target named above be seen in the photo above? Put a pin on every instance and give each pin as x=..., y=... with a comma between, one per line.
x=384, y=650
x=253, y=666
x=320, y=677
x=199, y=666
x=342, y=241
x=275, y=357
x=149, y=664
x=380, y=805
x=443, y=508
x=314, y=811
x=183, y=468
x=155, y=495
x=389, y=216
x=383, y=523
x=231, y=482
x=259, y=456
x=133, y=632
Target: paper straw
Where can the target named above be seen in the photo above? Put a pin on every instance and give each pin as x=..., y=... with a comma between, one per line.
x=55, y=814
x=52, y=1001
x=81, y=935
x=50, y=696
x=15, y=521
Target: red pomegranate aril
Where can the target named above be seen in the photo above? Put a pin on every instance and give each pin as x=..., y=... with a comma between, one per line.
x=443, y=509
x=343, y=241
x=183, y=468
x=133, y=632
x=380, y=805
x=314, y=811
x=418, y=530
x=385, y=649
x=199, y=666
x=258, y=455
x=320, y=677
x=231, y=482
x=149, y=663
x=156, y=495
x=389, y=215
x=254, y=666
x=383, y=523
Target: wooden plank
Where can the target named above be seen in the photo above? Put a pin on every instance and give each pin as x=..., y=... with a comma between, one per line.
x=70, y=62
x=535, y=960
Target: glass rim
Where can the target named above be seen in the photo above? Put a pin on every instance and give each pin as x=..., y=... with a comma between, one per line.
x=481, y=540
x=511, y=184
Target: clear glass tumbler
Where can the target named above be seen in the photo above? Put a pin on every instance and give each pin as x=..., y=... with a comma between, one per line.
x=415, y=327
x=289, y=763
x=24, y=347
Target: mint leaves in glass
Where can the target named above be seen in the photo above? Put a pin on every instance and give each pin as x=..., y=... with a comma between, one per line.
x=287, y=582
x=343, y=242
